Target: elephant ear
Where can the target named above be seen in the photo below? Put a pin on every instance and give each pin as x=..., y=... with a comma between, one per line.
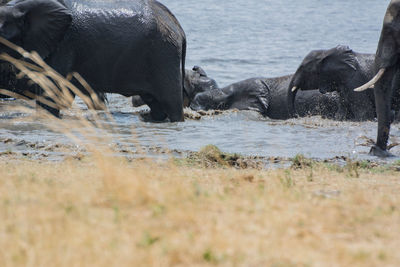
x=45, y=23
x=341, y=56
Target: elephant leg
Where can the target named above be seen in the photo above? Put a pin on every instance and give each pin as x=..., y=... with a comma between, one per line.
x=173, y=107
x=137, y=101
x=98, y=101
x=45, y=102
x=94, y=100
x=383, y=97
x=167, y=82
x=51, y=109
x=156, y=112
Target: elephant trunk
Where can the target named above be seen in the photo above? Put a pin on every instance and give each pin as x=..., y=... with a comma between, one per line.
x=291, y=97
x=386, y=54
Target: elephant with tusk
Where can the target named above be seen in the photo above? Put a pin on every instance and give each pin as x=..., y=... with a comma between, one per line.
x=386, y=82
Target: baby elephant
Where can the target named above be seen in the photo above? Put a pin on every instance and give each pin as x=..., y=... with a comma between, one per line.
x=267, y=96
x=196, y=81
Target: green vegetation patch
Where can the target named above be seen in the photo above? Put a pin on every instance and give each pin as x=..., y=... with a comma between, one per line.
x=211, y=156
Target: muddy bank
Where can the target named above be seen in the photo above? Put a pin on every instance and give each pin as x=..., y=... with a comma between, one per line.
x=209, y=156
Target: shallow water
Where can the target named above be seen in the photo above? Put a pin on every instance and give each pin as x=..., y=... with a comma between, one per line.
x=244, y=132
x=233, y=40
x=237, y=39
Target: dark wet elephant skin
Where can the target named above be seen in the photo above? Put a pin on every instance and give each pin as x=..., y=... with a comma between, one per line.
x=387, y=88
x=339, y=69
x=267, y=96
x=196, y=81
x=122, y=46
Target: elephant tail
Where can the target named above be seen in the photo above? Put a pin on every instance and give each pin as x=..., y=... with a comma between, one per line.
x=183, y=66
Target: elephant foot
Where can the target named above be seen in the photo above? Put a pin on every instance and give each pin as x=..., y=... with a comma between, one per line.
x=147, y=117
x=339, y=116
x=379, y=152
x=137, y=101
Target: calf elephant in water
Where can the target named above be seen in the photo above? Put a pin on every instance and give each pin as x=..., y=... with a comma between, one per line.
x=196, y=81
x=338, y=69
x=118, y=46
x=267, y=96
x=387, y=78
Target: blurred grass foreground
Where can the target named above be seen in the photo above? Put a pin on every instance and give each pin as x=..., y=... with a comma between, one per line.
x=102, y=210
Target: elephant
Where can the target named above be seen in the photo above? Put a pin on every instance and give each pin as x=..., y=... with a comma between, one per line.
x=337, y=69
x=120, y=46
x=8, y=79
x=267, y=96
x=18, y=89
x=196, y=81
x=386, y=82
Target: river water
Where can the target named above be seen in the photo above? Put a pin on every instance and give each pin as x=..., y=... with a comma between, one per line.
x=234, y=40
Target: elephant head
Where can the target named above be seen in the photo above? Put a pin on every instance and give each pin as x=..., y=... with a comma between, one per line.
x=35, y=25
x=197, y=81
x=386, y=80
x=388, y=51
x=214, y=99
x=326, y=70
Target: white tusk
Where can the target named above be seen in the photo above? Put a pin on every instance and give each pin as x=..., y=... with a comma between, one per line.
x=294, y=89
x=372, y=82
x=372, y=86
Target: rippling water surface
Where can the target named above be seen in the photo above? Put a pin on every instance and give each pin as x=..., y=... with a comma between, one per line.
x=235, y=40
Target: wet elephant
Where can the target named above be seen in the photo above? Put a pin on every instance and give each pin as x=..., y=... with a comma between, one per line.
x=267, y=96
x=17, y=88
x=338, y=69
x=8, y=80
x=125, y=47
x=386, y=82
x=196, y=81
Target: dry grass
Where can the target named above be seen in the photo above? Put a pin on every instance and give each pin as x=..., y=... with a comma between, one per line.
x=108, y=212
